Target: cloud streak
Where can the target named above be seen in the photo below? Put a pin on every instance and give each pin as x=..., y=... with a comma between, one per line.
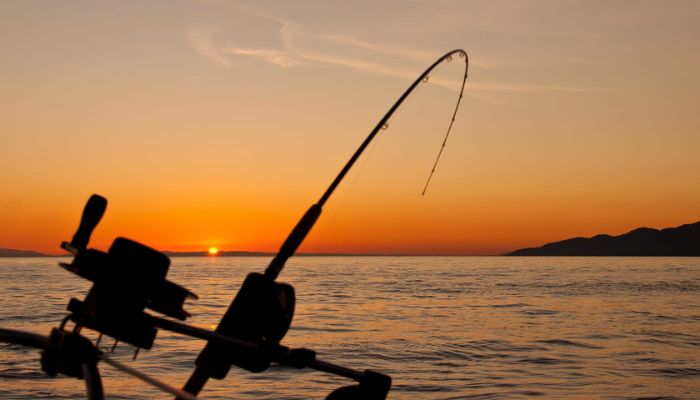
x=202, y=43
x=276, y=57
x=297, y=47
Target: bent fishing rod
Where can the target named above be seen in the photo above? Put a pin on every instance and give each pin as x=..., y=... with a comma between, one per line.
x=130, y=278
x=264, y=318
x=303, y=227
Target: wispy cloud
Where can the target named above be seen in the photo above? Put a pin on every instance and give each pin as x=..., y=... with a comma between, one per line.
x=491, y=87
x=298, y=46
x=291, y=53
x=413, y=54
x=201, y=42
x=357, y=64
x=277, y=57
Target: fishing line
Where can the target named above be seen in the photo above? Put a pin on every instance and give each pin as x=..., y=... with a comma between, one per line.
x=452, y=121
x=406, y=104
x=434, y=72
x=346, y=194
x=365, y=160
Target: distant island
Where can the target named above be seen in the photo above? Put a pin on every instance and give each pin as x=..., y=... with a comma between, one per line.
x=20, y=253
x=681, y=241
x=29, y=253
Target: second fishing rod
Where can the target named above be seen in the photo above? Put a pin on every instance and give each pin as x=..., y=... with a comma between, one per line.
x=263, y=309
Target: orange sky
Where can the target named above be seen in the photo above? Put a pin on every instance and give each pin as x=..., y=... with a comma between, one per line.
x=216, y=123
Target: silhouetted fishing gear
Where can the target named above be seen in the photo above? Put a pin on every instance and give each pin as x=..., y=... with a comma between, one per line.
x=263, y=309
x=73, y=355
x=127, y=279
x=63, y=352
x=131, y=277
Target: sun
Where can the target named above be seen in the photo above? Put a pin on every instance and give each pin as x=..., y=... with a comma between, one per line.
x=213, y=251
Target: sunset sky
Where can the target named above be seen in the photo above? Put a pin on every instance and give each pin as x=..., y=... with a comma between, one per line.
x=217, y=123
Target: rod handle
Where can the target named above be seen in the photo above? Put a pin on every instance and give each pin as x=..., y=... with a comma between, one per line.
x=92, y=214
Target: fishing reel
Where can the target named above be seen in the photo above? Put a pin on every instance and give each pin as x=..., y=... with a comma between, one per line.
x=261, y=313
x=127, y=279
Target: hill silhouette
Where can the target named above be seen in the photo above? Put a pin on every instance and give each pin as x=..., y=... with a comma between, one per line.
x=20, y=253
x=683, y=240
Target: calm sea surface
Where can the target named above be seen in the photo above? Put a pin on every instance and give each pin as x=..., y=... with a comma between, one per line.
x=442, y=327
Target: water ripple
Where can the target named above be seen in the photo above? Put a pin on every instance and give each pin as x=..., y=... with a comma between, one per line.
x=442, y=327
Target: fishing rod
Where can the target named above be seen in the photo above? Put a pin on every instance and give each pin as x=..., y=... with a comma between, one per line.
x=131, y=277
x=262, y=310
x=304, y=226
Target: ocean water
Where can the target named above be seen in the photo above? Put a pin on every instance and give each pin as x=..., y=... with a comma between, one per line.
x=442, y=327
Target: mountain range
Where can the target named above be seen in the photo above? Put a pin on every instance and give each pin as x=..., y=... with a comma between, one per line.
x=680, y=241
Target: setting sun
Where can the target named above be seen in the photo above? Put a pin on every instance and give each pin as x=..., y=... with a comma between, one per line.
x=213, y=251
